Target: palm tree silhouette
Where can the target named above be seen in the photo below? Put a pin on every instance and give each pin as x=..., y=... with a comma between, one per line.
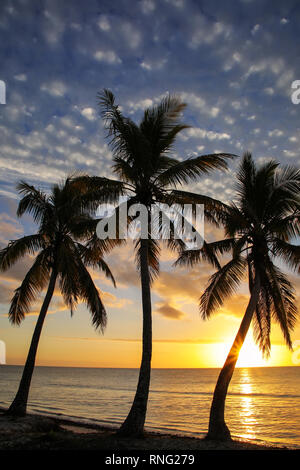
x=62, y=221
x=147, y=173
x=259, y=227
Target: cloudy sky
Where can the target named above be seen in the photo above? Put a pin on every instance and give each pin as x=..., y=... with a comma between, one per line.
x=232, y=62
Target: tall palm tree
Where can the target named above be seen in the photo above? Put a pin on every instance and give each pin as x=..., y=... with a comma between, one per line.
x=147, y=174
x=59, y=256
x=259, y=228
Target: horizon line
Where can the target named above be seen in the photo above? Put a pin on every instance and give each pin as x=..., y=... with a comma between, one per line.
x=153, y=368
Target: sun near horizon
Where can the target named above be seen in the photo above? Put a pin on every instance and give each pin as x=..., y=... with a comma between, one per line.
x=181, y=339
x=118, y=353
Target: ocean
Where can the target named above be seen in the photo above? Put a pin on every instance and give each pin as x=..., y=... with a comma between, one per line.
x=262, y=403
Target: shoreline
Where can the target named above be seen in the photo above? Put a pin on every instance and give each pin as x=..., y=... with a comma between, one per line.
x=39, y=432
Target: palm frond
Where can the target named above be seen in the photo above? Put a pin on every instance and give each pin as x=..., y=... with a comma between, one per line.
x=289, y=253
x=90, y=295
x=160, y=125
x=34, y=202
x=246, y=177
x=67, y=267
x=16, y=249
x=126, y=139
x=95, y=190
x=193, y=168
x=33, y=283
x=221, y=285
x=284, y=307
x=262, y=322
x=288, y=180
x=209, y=252
x=91, y=256
x=215, y=211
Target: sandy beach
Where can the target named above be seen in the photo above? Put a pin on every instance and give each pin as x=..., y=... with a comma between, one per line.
x=35, y=432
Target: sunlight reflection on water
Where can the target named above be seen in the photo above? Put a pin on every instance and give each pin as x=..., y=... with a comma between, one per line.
x=262, y=403
x=249, y=421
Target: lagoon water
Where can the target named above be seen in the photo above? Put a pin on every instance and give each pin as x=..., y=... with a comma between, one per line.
x=262, y=403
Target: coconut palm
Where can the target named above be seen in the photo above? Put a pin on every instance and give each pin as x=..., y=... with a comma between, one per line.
x=59, y=255
x=147, y=174
x=259, y=228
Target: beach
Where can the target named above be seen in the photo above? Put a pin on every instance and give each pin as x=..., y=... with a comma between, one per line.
x=37, y=433
x=263, y=403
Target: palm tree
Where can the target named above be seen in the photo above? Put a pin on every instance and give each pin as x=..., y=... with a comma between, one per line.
x=59, y=256
x=259, y=227
x=147, y=174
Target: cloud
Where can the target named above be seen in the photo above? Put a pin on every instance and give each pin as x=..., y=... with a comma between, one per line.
x=176, y=3
x=199, y=103
x=10, y=228
x=109, y=57
x=173, y=285
x=234, y=306
x=255, y=29
x=5, y=294
x=140, y=104
x=123, y=266
x=284, y=21
x=153, y=64
x=53, y=26
x=229, y=119
x=275, y=133
x=103, y=23
x=55, y=88
x=196, y=132
x=290, y=153
x=17, y=272
x=57, y=305
x=21, y=77
x=168, y=311
x=207, y=32
x=131, y=34
x=147, y=6
x=110, y=300
x=269, y=91
x=89, y=113
x=138, y=340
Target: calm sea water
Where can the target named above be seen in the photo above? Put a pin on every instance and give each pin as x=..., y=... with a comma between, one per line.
x=262, y=403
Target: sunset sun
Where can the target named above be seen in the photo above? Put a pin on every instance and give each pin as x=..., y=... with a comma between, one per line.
x=250, y=355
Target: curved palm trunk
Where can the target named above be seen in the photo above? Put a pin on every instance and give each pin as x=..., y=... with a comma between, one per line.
x=134, y=423
x=19, y=404
x=218, y=429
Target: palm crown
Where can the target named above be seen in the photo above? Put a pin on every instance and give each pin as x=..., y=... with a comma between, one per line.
x=141, y=152
x=62, y=223
x=141, y=160
x=259, y=227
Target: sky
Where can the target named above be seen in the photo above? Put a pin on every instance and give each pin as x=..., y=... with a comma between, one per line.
x=231, y=62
